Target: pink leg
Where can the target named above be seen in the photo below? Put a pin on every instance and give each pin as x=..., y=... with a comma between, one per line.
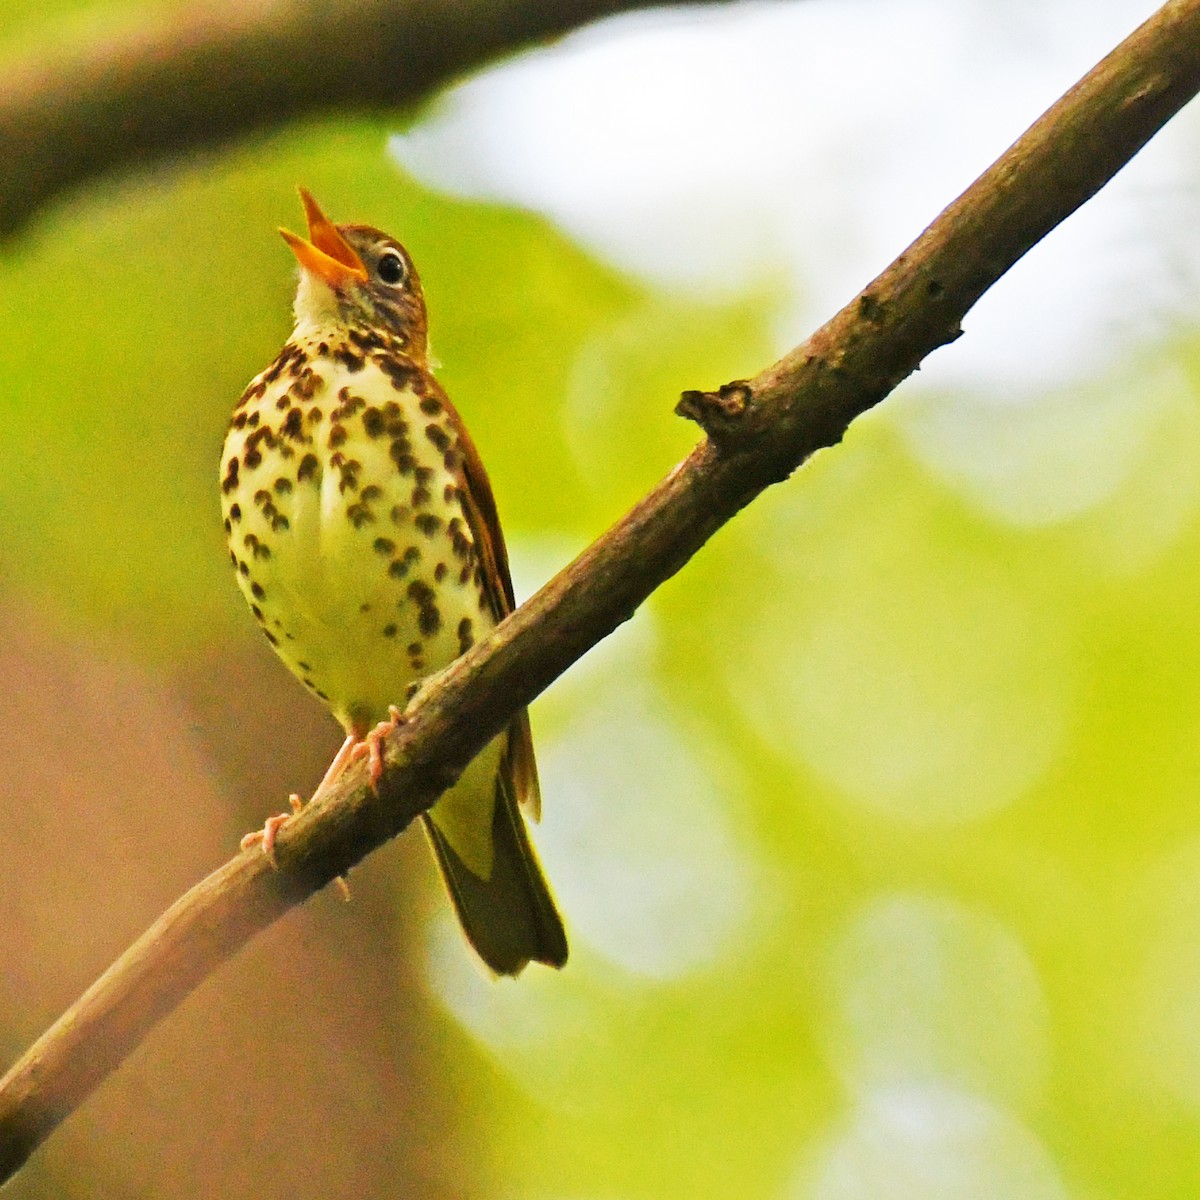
x=370, y=745
x=270, y=830
x=346, y=755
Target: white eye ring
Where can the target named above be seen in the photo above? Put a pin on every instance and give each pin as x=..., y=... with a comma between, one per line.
x=390, y=268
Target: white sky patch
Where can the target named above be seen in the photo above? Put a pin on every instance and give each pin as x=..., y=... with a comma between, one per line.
x=813, y=140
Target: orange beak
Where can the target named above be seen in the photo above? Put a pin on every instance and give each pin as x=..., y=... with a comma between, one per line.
x=326, y=254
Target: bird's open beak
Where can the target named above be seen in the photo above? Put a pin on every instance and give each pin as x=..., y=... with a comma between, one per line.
x=326, y=253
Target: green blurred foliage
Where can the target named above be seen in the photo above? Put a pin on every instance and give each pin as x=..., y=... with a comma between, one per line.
x=896, y=780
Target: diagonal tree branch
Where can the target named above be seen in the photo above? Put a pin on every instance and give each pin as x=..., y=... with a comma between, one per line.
x=759, y=431
x=204, y=76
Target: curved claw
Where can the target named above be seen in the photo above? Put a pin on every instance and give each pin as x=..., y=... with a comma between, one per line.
x=270, y=831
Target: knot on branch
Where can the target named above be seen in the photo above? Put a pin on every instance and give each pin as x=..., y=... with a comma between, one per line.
x=720, y=414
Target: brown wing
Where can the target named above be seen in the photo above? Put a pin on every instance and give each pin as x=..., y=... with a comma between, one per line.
x=479, y=505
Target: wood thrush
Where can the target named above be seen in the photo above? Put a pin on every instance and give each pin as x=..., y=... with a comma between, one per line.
x=365, y=536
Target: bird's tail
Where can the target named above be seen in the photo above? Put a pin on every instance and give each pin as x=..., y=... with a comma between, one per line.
x=510, y=917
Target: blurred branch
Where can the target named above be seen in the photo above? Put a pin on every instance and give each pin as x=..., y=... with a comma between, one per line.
x=207, y=75
x=759, y=431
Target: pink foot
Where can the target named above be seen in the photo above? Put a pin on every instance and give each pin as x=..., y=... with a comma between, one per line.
x=270, y=830
x=371, y=744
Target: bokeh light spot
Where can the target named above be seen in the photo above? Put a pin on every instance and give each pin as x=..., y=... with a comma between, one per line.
x=929, y=1142
x=938, y=698
x=927, y=988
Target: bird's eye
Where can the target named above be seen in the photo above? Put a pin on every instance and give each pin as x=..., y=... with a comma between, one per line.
x=391, y=268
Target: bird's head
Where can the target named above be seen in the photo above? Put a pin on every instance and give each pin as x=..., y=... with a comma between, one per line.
x=357, y=277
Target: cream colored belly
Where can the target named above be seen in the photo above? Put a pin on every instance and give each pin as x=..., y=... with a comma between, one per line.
x=363, y=577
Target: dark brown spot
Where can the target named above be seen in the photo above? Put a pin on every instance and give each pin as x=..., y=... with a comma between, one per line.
x=398, y=569
x=420, y=592
x=283, y=485
x=348, y=358
x=400, y=513
x=420, y=496
x=348, y=470
x=261, y=497
x=265, y=434
x=359, y=515
x=256, y=590
x=428, y=523
x=439, y=572
x=431, y=405
x=385, y=546
x=438, y=436
x=412, y=555
x=292, y=424
x=228, y=525
x=450, y=494
x=235, y=512
x=371, y=492
x=337, y=436
x=303, y=665
x=389, y=630
x=452, y=460
x=270, y=637
x=283, y=402
x=252, y=392
x=373, y=422
x=239, y=420
x=366, y=339
x=315, y=415
x=256, y=548
x=466, y=636
x=253, y=458
x=253, y=419
x=257, y=612
x=307, y=468
x=404, y=376
x=429, y=620
x=231, y=476
x=306, y=384
x=279, y=521
x=460, y=543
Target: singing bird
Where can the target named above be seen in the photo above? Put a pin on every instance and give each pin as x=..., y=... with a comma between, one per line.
x=365, y=536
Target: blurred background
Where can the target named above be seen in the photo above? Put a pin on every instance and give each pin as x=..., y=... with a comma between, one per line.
x=877, y=831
